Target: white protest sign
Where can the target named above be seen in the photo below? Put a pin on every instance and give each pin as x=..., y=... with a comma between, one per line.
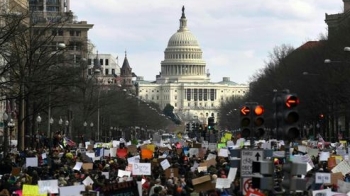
x=106, y=174
x=342, y=167
x=90, y=154
x=113, y=152
x=71, y=190
x=211, y=156
x=88, y=181
x=134, y=159
x=322, y=178
x=141, y=169
x=32, y=162
x=165, y=164
x=78, y=165
x=223, y=152
x=122, y=173
x=324, y=192
x=324, y=156
x=43, y=156
x=222, y=183
x=343, y=187
x=115, y=143
x=193, y=151
x=48, y=186
x=203, y=168
x=232, y=174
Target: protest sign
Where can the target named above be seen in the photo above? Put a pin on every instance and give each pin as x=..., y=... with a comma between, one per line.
x=122, y=188
x=87, y=166
x=32, y=190
x=203, y=183
x=31, y=161
x=222, y=183
x=141, y=169
x=71, y=190
x=122, y=173
x=172, y=172
x=146, y=153
x=165, y=164
x=48, y=186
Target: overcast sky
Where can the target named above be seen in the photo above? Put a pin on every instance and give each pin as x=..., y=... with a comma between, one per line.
x=236, y=36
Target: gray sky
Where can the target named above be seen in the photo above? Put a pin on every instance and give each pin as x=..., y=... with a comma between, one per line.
x=236, y=36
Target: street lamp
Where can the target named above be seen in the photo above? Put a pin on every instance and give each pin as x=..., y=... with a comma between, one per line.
x=36, y=136
x=67, y=128
x=51, y=121
x=59, y=46
x=60, y=122
x=92, y=132
x=38, y=120
x=10, y=125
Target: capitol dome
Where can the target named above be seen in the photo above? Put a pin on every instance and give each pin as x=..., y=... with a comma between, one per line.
x=183, y=57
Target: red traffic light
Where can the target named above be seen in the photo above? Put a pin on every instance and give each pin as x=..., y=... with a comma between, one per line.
x=291, y=101
x=259, y=110
x=245, y=111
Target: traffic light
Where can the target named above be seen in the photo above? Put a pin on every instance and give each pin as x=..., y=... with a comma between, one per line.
x=188, y=127
x=245, y=121
x=291, y=170
x=258, y=119
x=290, y=116
x=211, y=123
x=193, y=126
x=265, y=180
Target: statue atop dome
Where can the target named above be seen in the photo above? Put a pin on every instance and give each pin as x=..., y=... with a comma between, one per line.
x=183, y=12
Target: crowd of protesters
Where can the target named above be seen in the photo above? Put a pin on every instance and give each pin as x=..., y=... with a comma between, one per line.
x=61, y=159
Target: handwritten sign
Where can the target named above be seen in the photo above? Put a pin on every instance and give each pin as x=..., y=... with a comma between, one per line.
x=71, y=190
x=48, y=186
x=165, y=164
x=141, y=169
x=32, y=161
x=247, y=158
x=122, y=188
x=32, y=190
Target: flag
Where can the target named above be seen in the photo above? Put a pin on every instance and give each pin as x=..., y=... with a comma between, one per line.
x=68, y=142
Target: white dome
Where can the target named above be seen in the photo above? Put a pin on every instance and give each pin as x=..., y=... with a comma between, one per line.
x=183, y=38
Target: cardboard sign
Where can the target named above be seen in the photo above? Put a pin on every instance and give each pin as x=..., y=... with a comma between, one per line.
x=197, y=145
x=132, y=149
x=16, y=171
x=32, y=190
x=203, y=183
x=87, y=166
x=172, y=172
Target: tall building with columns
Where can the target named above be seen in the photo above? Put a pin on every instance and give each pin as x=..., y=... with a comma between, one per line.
x=184, y=82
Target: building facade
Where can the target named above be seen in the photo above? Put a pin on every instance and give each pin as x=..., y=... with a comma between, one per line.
x=183, y=81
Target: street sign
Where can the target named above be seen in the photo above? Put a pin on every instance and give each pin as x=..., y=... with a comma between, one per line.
x=245, y=110
x=247, y=158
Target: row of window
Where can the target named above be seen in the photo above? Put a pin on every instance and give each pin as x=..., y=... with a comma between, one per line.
x=200, y=94
x=106, y=71
x=102, y=61
x=183, y=56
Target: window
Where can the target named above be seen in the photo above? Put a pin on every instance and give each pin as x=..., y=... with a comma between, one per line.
x=71, y=33
x=89, y=72
x=101, y=61
x=188, y=104
x=200, y=95
x=212, y=94
x=89, y=61
x=106, y=62
x=106, y=71
x=175, y=104
x=78, y=33
x=175, y=97
x=157, y=97
x=113, y=71
x=195, y=94
x=205, y=97
x=188, y=94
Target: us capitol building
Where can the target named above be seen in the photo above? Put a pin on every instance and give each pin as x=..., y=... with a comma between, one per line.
x=183, y=81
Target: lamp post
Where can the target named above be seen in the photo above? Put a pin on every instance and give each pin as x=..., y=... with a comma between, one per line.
x=51, y=121
x=67, y=128
x=10, y=125
x=59, y=46
x=92, y=131
x=60, y=122
x=37, y=135
x=5, y=119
